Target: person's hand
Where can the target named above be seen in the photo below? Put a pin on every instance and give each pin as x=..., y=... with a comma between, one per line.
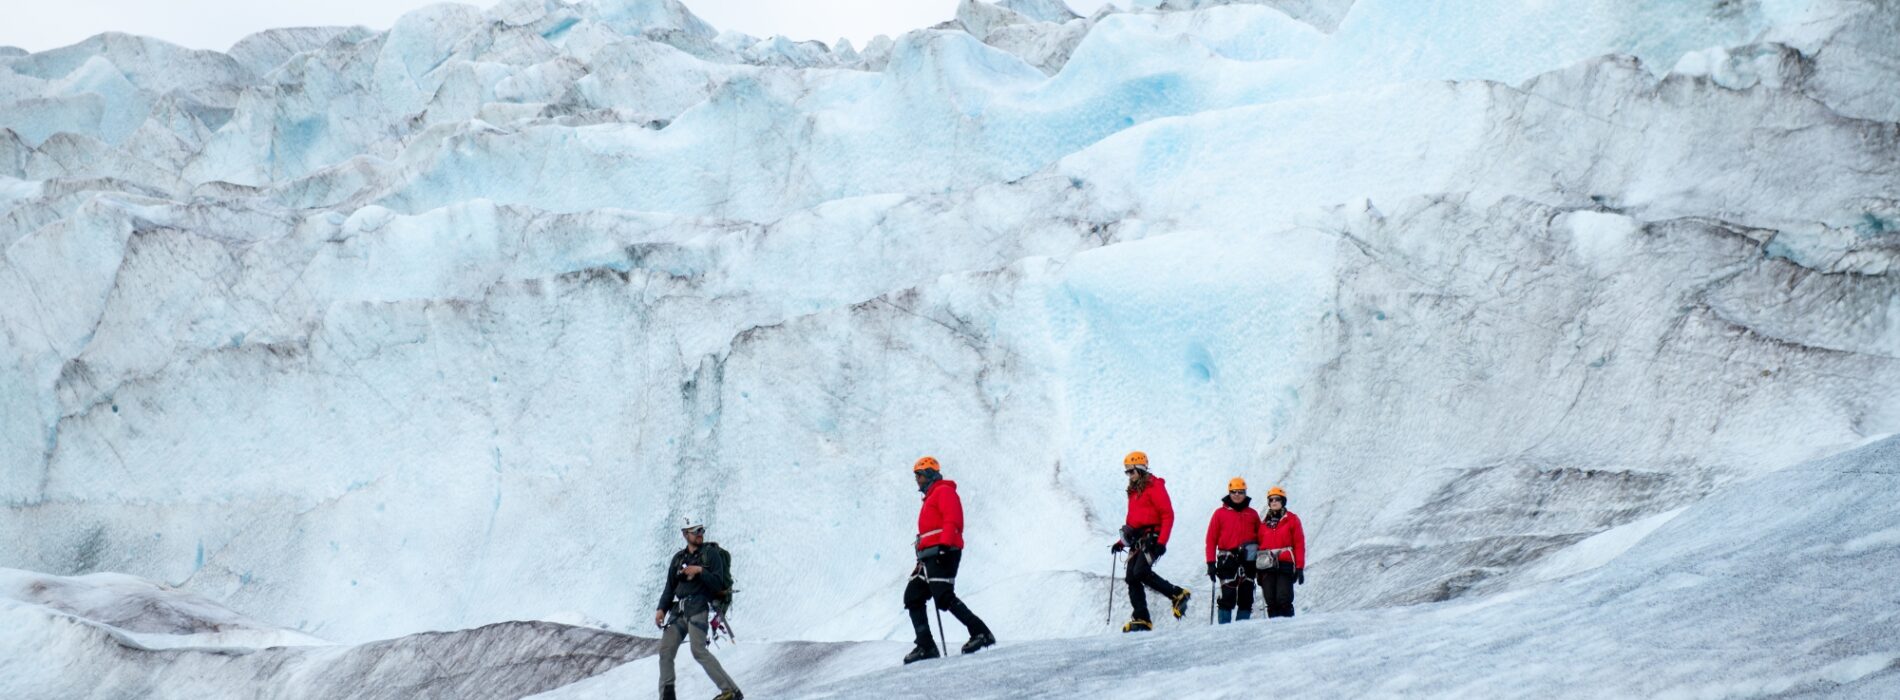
x=1117, y=547
x=1210, y=569
x=1299, y=576
x=659, y=618
x=691, y=570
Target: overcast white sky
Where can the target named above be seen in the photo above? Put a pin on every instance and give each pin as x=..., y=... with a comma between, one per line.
x=37, y=25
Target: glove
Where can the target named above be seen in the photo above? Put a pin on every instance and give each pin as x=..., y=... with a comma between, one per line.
x=1157, y=550
x=1210, y=569
x=1117, y=547
x=1299, y=576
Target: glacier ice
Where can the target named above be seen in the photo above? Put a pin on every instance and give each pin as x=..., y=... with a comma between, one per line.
x=370, y=333
x=107, y=635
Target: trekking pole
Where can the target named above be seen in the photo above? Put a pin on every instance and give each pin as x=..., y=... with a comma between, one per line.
x=943, y=642
x=1213, y=597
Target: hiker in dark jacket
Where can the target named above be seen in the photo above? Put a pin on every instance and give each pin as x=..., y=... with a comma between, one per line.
x=698, y=575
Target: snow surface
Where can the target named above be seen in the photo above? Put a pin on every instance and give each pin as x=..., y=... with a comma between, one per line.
x=1709, y=604
x=375, y=333
x=1734, y=597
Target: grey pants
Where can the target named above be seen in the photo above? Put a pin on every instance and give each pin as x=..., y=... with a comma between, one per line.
x=695, y=628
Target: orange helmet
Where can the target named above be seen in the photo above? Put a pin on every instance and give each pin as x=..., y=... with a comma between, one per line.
x=1276, y=491
x=1135, y=459
x=1236, y=484
x=924, y=463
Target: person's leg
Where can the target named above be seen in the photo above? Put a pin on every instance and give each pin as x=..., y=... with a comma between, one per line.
x=1136, y=576
x=696, y=629
x=1266, y=591
x=1224, y=597
x=942, y=570
x=669, y=648
x=1244, y=585
x=1277, y=587
x=1286, y=595
x=1154, y=580
x=916, y=594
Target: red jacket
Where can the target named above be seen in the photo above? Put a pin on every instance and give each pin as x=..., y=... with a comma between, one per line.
x=1287, y=533
x=1232, y=528
x=941, y=520
x=1149, y=507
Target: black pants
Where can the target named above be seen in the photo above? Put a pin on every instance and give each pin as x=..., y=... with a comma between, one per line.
x=1276, y=586
x=938, y=580
x=1236, y=585
x=1141, y=573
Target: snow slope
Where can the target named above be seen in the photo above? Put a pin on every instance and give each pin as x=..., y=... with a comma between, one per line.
x=372, y=333
x=109, y=635
x=1765, y=622
x=1781, y=585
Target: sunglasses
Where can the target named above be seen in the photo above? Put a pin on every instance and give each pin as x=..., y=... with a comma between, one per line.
x=1130, y=472
x=1241, y=492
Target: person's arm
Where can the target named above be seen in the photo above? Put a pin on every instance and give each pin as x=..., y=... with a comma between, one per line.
x=952, y=516
x=925, y=518
x=1299, y=543
x=672, y=582
x=1213, y=533
x=1167, y=513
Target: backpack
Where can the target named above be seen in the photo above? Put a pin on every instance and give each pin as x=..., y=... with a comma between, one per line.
x=722, y=600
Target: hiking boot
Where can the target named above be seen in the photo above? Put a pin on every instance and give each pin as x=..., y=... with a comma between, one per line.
x=921, y=653
x=733, y=694
x=977, y=642
x=1180, y=603
x=1137, y=626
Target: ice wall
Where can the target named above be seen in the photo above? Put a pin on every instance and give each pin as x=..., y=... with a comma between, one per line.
x=367, y=333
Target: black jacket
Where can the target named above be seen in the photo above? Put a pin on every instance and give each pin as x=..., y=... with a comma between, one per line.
x=696, y=593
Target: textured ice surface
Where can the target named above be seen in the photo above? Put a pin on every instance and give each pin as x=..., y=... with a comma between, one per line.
x=54, y=656
x=370, y=333
x=1706, y=605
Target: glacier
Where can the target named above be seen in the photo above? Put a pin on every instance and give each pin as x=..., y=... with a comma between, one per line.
x=422, y=340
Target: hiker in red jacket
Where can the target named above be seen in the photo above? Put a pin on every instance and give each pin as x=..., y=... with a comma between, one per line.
x=1145, y=535
x=1282, y=557
x=1232, y=538
x=939, y=552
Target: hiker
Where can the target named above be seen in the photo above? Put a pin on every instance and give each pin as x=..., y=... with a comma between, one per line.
x=1282, y=557
x=697, y=576
x=1145, y=536
x=939, y=551
x=1232, y=537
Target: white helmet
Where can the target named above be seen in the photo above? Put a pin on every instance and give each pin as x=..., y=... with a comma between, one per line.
x=690, y=524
